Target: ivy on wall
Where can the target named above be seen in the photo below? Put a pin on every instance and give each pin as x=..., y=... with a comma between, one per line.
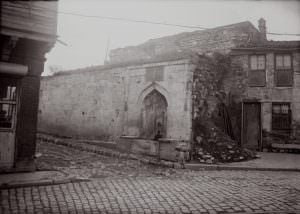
x=216, y=112
x=208, y=92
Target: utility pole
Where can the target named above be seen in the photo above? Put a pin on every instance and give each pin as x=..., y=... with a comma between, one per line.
x=107, y=49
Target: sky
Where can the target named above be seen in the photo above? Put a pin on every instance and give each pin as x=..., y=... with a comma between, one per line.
x=90, y=39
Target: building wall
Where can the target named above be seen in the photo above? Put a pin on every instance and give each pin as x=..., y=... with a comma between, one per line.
x=106, y=103
x=26, y=35
x=174, y=87
x=237, y=84
x=81, y=104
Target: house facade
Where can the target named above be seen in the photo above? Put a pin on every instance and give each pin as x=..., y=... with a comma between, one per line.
x=150, y=88
x=26, y=35
x=269, y=84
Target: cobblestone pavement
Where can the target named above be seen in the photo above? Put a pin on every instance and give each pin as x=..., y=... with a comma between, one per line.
x=158, y=190
x=194, y=192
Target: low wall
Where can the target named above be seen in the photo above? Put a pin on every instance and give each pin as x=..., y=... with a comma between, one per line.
x=163, y=149
x=132, y=144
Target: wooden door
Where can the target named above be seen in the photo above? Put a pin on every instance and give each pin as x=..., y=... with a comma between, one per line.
x=251, y=138
x=154, y=115
x=8, y=112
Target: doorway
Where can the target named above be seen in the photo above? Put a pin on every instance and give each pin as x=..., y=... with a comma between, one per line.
x=154, y=115
x=8, y=116
x=251, y=132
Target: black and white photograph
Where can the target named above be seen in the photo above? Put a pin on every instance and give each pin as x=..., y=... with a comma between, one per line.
x=150, y=106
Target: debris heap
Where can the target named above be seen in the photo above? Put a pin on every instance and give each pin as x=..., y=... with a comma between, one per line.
x=220, y=148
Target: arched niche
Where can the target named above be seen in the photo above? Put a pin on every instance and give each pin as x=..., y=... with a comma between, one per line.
x=154, y=115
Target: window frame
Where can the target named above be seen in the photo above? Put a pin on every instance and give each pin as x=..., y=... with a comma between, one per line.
x=289, y=114
x=13, y=103
x=276, y=69
x=250, y=70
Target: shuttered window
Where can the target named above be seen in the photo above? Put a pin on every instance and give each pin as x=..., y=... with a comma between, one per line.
x=281, y=116
x=284, y=71
x=257, y=72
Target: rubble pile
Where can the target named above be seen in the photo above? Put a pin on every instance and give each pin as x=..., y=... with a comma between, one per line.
x=220, y=149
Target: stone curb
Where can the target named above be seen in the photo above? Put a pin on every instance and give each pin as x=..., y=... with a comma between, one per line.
x=42, y=183
x=198, y=167
x=107, y=152
x=271, y=212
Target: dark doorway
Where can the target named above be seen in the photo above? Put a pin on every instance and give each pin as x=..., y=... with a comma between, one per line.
x=154, y=115
x=251, y=138
x=8, y=119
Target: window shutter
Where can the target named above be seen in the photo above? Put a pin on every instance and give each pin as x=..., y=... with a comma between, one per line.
x=257, y=78
x=284, y=77
x=253, y=62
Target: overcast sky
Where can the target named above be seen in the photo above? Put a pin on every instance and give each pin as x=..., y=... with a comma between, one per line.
x=88, y=38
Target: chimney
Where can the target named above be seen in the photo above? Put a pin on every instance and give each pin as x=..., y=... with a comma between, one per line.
x=262, y=29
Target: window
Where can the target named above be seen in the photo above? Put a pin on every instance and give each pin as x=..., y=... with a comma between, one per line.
x=8, y=102
x=281, y=116
x=284, y=71
x=257, y=73
x=154, y=74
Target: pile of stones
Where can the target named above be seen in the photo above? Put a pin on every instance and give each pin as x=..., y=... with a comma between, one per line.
x=223, y=153
x=221, y=149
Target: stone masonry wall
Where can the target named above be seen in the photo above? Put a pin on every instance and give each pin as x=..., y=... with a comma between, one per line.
x=236, y=84
x=106, y=103
x=219, y=39
x=85, y=104
x=177, y=76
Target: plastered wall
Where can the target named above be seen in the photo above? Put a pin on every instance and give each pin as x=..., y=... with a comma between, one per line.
x=106, y=103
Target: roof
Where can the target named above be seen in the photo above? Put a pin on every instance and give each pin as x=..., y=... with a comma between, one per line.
x=201, y=41
x=270, y=45
x=175, y=37
x=35, y=20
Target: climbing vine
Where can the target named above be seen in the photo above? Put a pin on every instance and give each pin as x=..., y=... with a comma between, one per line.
x=208, y=92
x=215, y=138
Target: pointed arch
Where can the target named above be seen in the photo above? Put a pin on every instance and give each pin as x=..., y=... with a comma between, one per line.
x=152, y=87
x=154, y=115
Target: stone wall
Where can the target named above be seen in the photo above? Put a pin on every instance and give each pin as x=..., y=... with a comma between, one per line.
x=176, y=77
x=105, y=103
x=219, y=39
x=85, y=104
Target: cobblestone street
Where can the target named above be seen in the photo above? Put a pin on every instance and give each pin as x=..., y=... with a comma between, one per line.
x=148, y=189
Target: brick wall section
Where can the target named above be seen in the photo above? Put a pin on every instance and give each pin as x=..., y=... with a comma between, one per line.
x=219, y=39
